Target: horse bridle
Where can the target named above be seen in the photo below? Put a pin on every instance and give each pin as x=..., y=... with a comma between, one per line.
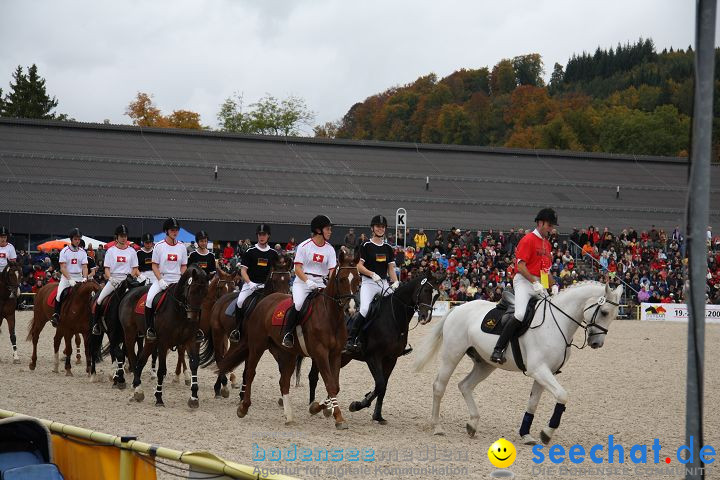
x=340, y=300
x=184, y=305
x=417, y=304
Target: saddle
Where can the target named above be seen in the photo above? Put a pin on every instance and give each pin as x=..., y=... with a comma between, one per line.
x=281, y=311
x=53, y=294
x=157, y=301
x=248, y=305
x=373, y=311
x=128, y=284
x=496, y=319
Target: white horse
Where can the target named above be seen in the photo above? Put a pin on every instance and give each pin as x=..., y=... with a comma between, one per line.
x=545, y=348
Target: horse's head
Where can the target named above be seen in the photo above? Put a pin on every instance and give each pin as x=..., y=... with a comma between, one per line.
x=224, y=282
x=279, y=277
x=425, y=294
x=346, y=278
x=599, y=312
x=89, y=288
x=13, y=274
x=192, y=288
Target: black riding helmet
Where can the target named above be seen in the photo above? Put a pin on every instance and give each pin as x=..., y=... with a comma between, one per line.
x=319, y=222
x=121, y=230
x=4, y=230
x=170, y=223
x=75, y=232
x=202, y=234
x=547, y=215
x=379, y=220
x=147, y=238
x=263, y=228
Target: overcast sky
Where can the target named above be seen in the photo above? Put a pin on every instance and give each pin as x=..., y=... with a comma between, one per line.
x=192, y=55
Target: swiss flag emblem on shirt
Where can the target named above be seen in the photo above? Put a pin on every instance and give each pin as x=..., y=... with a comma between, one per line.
x=121, y=260
x=2, y=255
x=73, y=261
x=318, y=257
x=172, y=257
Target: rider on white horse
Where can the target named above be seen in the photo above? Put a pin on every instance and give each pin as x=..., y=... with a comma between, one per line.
x=169, y=262
x=7, y=253
x=74, y=269
x=376, y=265
x=533, y=262
x=120, y=261
x=314, y=260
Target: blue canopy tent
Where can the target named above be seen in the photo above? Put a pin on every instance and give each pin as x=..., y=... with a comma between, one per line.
x=184, y=236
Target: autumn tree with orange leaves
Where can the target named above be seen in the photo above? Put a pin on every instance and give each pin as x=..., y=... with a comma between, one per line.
x=144, y=113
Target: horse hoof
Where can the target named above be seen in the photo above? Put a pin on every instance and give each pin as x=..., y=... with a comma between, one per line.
x=16, y=361
x=241, y=411
x=187, y=383
x=121, y=385
x=314, y=408
x=193, y=402
x=470, y=430
x=327, y=412
x=31, y=366
x=290, y=423
x=153, y=375
x=355, y=406
x=138, y=396
x=382, y=421
x=438, y=431
x=235, y=385
x=68, y=373
x=159, y=403
x=341, y=426
x=544, y=437
x=280, y=402
x=224, y=392
x=527, y=439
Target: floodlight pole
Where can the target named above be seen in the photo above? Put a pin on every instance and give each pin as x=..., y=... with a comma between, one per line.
x=697, y=221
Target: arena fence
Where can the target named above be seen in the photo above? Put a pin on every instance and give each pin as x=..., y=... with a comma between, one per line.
x=136, y=459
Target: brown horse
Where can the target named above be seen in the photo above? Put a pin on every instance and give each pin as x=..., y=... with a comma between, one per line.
x=177, y=320
x=9, y=281
x=221, y=325
x=325, y=335
x=74, y=319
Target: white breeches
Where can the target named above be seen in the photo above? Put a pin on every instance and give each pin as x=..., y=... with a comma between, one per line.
x=300, y=291
x=107, y=290
x=154, y=290
x=246, y=291
x=368, y=290
x=523, y=293
x=65, y=283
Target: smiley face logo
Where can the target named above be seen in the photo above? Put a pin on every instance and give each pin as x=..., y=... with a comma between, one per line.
x=502, y=453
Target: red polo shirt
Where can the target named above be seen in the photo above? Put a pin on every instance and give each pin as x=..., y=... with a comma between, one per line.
x=536, y=252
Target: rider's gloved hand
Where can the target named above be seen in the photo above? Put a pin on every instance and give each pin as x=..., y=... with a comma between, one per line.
x=115, y=282
x=395, y=284
x=376, y=277
x=82, y=280
x=72, y=282
x=142, y=278
x=555, y=289
x=539, y=290
x=162, y=283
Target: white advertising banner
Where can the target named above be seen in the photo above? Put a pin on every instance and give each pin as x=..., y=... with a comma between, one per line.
x=675, y=312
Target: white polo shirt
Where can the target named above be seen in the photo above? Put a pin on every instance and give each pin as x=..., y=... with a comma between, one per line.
x=7, y=253
x=120, y=261
x=170, y=258
x=316, y=259
x=73, y=260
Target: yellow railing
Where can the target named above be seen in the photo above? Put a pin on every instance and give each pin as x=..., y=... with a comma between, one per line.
x=204, y=461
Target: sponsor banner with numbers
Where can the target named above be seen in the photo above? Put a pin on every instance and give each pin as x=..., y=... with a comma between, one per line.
x=675, y=312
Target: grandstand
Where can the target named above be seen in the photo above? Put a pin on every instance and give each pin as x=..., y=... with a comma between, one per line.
x=58, y=174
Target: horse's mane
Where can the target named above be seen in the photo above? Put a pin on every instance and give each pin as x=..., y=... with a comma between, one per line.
x=582, y=284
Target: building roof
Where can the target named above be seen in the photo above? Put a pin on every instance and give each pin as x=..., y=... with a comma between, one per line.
x=95, y=171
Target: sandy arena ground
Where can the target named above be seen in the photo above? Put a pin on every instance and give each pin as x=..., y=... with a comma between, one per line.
x=632, y=388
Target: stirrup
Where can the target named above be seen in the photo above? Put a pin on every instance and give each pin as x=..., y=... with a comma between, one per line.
x=498, y=356
x=288, y=340
x=150, y=335
x=54, y=320
x=96, y=329
x=199, y=336
x=234, y=336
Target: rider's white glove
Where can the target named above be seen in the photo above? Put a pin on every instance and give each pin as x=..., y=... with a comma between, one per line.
x=376, y=278
x=142, y=278
x=163, y=284
x=72, y=282
x=115, y=282
x=555, y=289
x=395, y=284
x=82, y=280
x=539, y=290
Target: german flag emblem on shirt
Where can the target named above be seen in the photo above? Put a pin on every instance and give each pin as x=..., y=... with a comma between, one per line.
x=381, y=257
x=262, y=262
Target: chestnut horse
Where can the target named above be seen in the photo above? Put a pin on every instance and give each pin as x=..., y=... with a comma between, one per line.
x=177, y=320
x=221, y=325
x=74, y=319
x=9, y=281
x=324, y=334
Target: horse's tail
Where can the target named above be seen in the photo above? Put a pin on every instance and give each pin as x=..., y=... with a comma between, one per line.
x=96, y=349
x=105, y=350
x=34, y=325
x=232, y=359
x=207, y=350
x=430, y=347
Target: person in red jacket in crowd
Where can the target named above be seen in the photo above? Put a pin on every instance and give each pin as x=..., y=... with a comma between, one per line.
x=228, y=252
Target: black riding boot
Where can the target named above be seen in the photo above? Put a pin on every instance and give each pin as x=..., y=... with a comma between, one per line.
x=56, y=315
x=95, y=321
x=498, y=355
x=288, y=339
x=150, y=324
x=235, y=334
x=353, y=344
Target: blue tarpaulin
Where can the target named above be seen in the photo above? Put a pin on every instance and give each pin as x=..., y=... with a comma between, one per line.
x=184, y=236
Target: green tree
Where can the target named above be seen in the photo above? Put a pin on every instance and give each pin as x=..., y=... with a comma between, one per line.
x=327, y=130
x=230, y=116
x=502, y=78
x=556, y=79
x=28, y=97
x=529, y=69
x=269, y=116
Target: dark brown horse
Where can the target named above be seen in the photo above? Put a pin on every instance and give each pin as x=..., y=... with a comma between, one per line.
x=323, y=334
x=177, y=320
x=9, y=281
x=216, y=343
x=74, y=319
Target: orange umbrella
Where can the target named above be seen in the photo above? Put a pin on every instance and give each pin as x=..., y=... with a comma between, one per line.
x=47, y=246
